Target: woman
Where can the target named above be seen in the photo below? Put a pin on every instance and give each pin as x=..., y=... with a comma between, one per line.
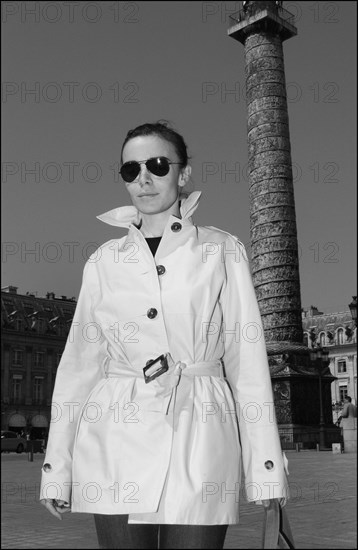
x=164, y=446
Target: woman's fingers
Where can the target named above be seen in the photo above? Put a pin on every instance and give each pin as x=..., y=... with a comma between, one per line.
x=62, y=507
x=56, y=507
x=48, y=503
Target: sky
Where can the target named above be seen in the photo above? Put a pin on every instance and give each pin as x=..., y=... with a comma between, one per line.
x=76, y=76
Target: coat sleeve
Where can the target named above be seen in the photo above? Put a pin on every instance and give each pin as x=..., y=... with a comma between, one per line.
x=78, y=372
x=247, y=371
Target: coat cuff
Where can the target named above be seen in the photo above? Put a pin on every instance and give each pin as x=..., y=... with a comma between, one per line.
x=55, y=484
x=265, y=487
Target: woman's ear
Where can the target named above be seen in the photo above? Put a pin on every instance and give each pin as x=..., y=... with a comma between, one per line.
x=185, y=176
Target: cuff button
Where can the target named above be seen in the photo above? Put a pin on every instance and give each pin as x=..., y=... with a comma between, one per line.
x=269, y=465
x=47, y=467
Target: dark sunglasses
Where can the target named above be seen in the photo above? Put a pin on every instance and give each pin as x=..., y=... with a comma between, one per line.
x=159, y=166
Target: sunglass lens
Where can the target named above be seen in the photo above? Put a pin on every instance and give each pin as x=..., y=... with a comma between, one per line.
x=130, y=171
x=159, y=166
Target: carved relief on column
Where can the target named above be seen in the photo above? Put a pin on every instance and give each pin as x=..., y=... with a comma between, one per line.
x=274, y=246
x=282, y=397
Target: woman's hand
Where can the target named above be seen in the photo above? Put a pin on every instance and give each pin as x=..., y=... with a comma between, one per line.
x=56, y=507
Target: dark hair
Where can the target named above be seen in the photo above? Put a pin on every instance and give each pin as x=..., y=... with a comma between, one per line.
x=349, y=398
x=162, y=130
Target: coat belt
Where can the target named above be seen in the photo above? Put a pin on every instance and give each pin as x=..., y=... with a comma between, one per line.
x=167, y=391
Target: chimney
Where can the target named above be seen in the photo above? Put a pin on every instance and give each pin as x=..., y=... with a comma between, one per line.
x=10, y=289
x=314, y=311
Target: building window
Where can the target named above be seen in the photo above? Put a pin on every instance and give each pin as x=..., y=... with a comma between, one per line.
x=18, y=357
x=39, y=359
x=38, y=389
x=305, y=339
x=41, y=325
x=340, y=336
x=19, y=325
x=322, y=339
x=61, y=329
x=16, y=388
x=343, y=391
x=342, y=366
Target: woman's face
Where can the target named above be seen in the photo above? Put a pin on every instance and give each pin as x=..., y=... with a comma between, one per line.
x=152, y=194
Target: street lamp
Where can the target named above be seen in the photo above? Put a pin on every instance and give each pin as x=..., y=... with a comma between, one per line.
x=319, y=357
x=353, y=308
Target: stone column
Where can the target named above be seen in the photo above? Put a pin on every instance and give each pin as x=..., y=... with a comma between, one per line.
x=262, y=27
x=274, y=247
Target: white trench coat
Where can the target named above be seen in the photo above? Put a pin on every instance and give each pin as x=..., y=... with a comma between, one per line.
x=172, y=450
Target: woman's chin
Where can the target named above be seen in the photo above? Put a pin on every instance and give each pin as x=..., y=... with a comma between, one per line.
x=149, y=210
x=151, y=207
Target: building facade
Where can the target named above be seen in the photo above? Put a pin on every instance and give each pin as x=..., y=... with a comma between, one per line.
x=34, y=334
x=336, y=332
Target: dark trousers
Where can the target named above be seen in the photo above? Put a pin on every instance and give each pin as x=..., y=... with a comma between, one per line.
x=114, y=531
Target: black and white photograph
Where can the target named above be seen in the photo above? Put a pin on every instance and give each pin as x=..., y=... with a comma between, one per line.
x=179, y=252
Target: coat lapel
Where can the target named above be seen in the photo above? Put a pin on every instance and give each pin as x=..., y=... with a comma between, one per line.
x=129, y=216
x=137, y=251
x=125, y=216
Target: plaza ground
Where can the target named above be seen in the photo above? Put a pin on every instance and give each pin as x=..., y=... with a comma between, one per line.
x=322, y=510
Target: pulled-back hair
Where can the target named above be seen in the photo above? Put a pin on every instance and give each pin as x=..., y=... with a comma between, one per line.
x=164, y=131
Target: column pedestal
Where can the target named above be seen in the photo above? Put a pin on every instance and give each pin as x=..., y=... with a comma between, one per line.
x=296, y=395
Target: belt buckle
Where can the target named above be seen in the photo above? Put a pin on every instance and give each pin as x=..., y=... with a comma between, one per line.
x=152, y=370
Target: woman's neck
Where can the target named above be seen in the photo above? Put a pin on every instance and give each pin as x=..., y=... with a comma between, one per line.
x=153, y=225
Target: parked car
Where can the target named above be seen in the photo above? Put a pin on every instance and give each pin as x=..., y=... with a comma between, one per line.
x=10, y=441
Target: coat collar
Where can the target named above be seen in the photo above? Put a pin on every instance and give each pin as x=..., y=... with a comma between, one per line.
x=125, y=216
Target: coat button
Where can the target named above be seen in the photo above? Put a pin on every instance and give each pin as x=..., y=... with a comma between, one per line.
x=47, y=467
x=160, y=269
x=176, y=227
x=269, y=465
x=152, y=313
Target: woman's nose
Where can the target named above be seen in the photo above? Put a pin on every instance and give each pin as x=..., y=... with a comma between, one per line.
x=144, y=175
